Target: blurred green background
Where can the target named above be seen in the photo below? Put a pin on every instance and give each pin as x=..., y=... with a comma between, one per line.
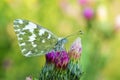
x=101, y=39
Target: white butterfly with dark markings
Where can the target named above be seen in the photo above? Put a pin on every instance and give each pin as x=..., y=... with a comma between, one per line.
x=35, y=40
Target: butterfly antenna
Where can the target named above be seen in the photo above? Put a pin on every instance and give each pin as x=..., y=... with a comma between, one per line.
x=76, y=33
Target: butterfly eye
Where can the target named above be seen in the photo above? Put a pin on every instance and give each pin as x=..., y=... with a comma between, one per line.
x=81, y=32
x=64, y=40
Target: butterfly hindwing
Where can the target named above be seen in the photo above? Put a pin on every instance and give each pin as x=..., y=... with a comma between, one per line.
x=33, y=39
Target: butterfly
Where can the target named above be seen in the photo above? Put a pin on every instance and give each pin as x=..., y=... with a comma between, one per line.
x=36, y=40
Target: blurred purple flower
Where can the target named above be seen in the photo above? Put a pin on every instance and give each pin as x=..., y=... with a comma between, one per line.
x=82, y=2
x=87, y=2
x=76, y=49
x=50, y=56
x=61, y=59
x=88, y=13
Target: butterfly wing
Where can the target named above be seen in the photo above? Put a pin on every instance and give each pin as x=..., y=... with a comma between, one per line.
x=33, y=39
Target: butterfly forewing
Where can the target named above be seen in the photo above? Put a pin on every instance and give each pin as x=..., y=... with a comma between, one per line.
x=33, y=39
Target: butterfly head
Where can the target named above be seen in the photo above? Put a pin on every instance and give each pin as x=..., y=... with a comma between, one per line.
x=60, y=44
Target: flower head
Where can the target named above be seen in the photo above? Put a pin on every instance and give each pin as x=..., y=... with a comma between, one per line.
x=50, y=56
x=82, y=2
x=61, y=59
x=88, y=13
x=76, y=49
x=87, y=2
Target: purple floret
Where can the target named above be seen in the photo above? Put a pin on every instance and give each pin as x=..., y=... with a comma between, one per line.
x=50, y=56
x=61, y=59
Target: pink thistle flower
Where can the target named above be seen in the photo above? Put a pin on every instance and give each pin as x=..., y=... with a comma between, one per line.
x=76, y=49
x=61, y=59
x=88, y=13
x=50, y=56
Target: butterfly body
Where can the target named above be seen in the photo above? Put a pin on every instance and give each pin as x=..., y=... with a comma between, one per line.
x=35, y=40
